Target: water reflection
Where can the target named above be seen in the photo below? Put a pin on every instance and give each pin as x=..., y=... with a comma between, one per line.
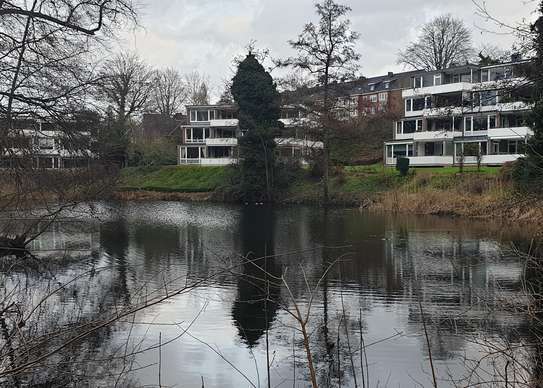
x=258, y=289
x=460, y=272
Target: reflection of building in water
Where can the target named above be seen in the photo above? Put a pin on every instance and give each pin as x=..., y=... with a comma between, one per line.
x=461, y=283
x=66, y=239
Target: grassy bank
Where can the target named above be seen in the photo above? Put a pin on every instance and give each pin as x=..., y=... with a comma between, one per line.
x=173, y=179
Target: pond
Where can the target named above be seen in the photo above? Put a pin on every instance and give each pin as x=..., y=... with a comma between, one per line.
x=386, y=296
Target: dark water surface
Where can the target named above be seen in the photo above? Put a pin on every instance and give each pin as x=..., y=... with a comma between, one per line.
x=461, y=272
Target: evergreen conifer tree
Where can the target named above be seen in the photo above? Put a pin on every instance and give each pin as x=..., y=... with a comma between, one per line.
x=257, y=97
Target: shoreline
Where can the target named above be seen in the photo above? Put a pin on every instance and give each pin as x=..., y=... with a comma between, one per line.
x=506, y=209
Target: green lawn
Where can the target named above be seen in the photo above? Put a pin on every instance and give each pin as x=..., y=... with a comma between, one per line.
x=188, y=179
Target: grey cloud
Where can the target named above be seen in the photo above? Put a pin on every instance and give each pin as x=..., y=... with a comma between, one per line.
x=207, y=34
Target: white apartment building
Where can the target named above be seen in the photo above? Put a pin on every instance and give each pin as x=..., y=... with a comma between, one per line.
x=467, y=114
x=211, y=136
x=44, y=146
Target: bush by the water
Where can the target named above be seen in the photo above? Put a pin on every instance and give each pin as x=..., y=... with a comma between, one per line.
x=402, y=165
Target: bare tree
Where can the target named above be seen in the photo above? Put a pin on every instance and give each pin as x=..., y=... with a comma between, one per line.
x=326, y=50
x=127, y=84
x=169, y=92
x=197, y=88
x=442, y=42
x=47, y=73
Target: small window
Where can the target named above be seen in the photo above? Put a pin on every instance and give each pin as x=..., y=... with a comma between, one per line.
x=399, y=127
x=389, y=151
x=192, y=115
x=417, y=82
x=373, y=98
x=491, y=122
x=387, y=85
x=408, y=105
x=484, y=76
x=419, y=125
x=383, y=97
x=372, y=87
x=365, y=98
x=437, y=79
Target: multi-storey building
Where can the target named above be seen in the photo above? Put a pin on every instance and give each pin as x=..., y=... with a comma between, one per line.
x=44, y=146
x=463, y=115
x=211, y=135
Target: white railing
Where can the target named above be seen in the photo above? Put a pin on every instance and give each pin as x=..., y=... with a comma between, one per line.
x=195, y=141
x=209, y=161
x=421, y=161
x=224, y=123
x=436, y=135
x=437, y=89
x=222, y=141
x=511, y=133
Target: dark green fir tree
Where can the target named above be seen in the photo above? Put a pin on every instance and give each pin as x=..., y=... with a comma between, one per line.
x=256, y=95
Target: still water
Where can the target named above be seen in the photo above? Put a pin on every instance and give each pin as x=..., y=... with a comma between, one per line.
x=374, y=274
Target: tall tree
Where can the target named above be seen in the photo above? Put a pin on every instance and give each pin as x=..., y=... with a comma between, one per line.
x=326, y=50
x=127, y=84
x=441, y=43
x=197, y=85
x=169, y=92
x=256, y=94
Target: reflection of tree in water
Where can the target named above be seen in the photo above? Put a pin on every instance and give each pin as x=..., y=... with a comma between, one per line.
x=115, y=239
x=254, y=308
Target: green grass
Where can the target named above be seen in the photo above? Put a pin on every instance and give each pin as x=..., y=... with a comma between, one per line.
x=188, y=179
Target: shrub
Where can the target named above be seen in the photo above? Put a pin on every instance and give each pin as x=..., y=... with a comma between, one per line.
x=402, y=165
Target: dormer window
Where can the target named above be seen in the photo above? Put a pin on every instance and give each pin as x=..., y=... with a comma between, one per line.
x=372, y=87
x=387, y=85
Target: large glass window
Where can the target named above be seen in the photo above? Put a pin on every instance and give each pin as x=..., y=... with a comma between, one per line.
x=418, y=104
x=489, y=97
x=409, y=126
x=202, y=115
x=400, y=150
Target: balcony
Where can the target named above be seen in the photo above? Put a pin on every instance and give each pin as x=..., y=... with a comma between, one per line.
x=435, y=135
x=509, y=133
x=222, y=142
x=425, y=161
x=224, y=123
x=437, y=89
x=209, y=161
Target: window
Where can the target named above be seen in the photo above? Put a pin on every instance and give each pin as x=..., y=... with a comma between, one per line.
x=400, y=150
x=410, y=150
x=485, y=76
x=372, y=87
x=212, y=115
x=417, y=82
x=387, y=85
x=437, y=79
x=389, y=151
x=408, y=105
x=428, y=102
x=202, y=115
x=491, y=122
x=383, y=97
x=365, y=98
x=192, y=115
x=410, y=126
x=399, y=127
x=418, y=104
x=373, y=98
x=489, y=97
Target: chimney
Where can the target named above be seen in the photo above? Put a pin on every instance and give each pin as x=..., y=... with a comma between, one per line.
x=516, y=57
x=390, y=74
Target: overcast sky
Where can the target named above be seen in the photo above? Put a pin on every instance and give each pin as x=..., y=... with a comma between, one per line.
x=206, y=34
